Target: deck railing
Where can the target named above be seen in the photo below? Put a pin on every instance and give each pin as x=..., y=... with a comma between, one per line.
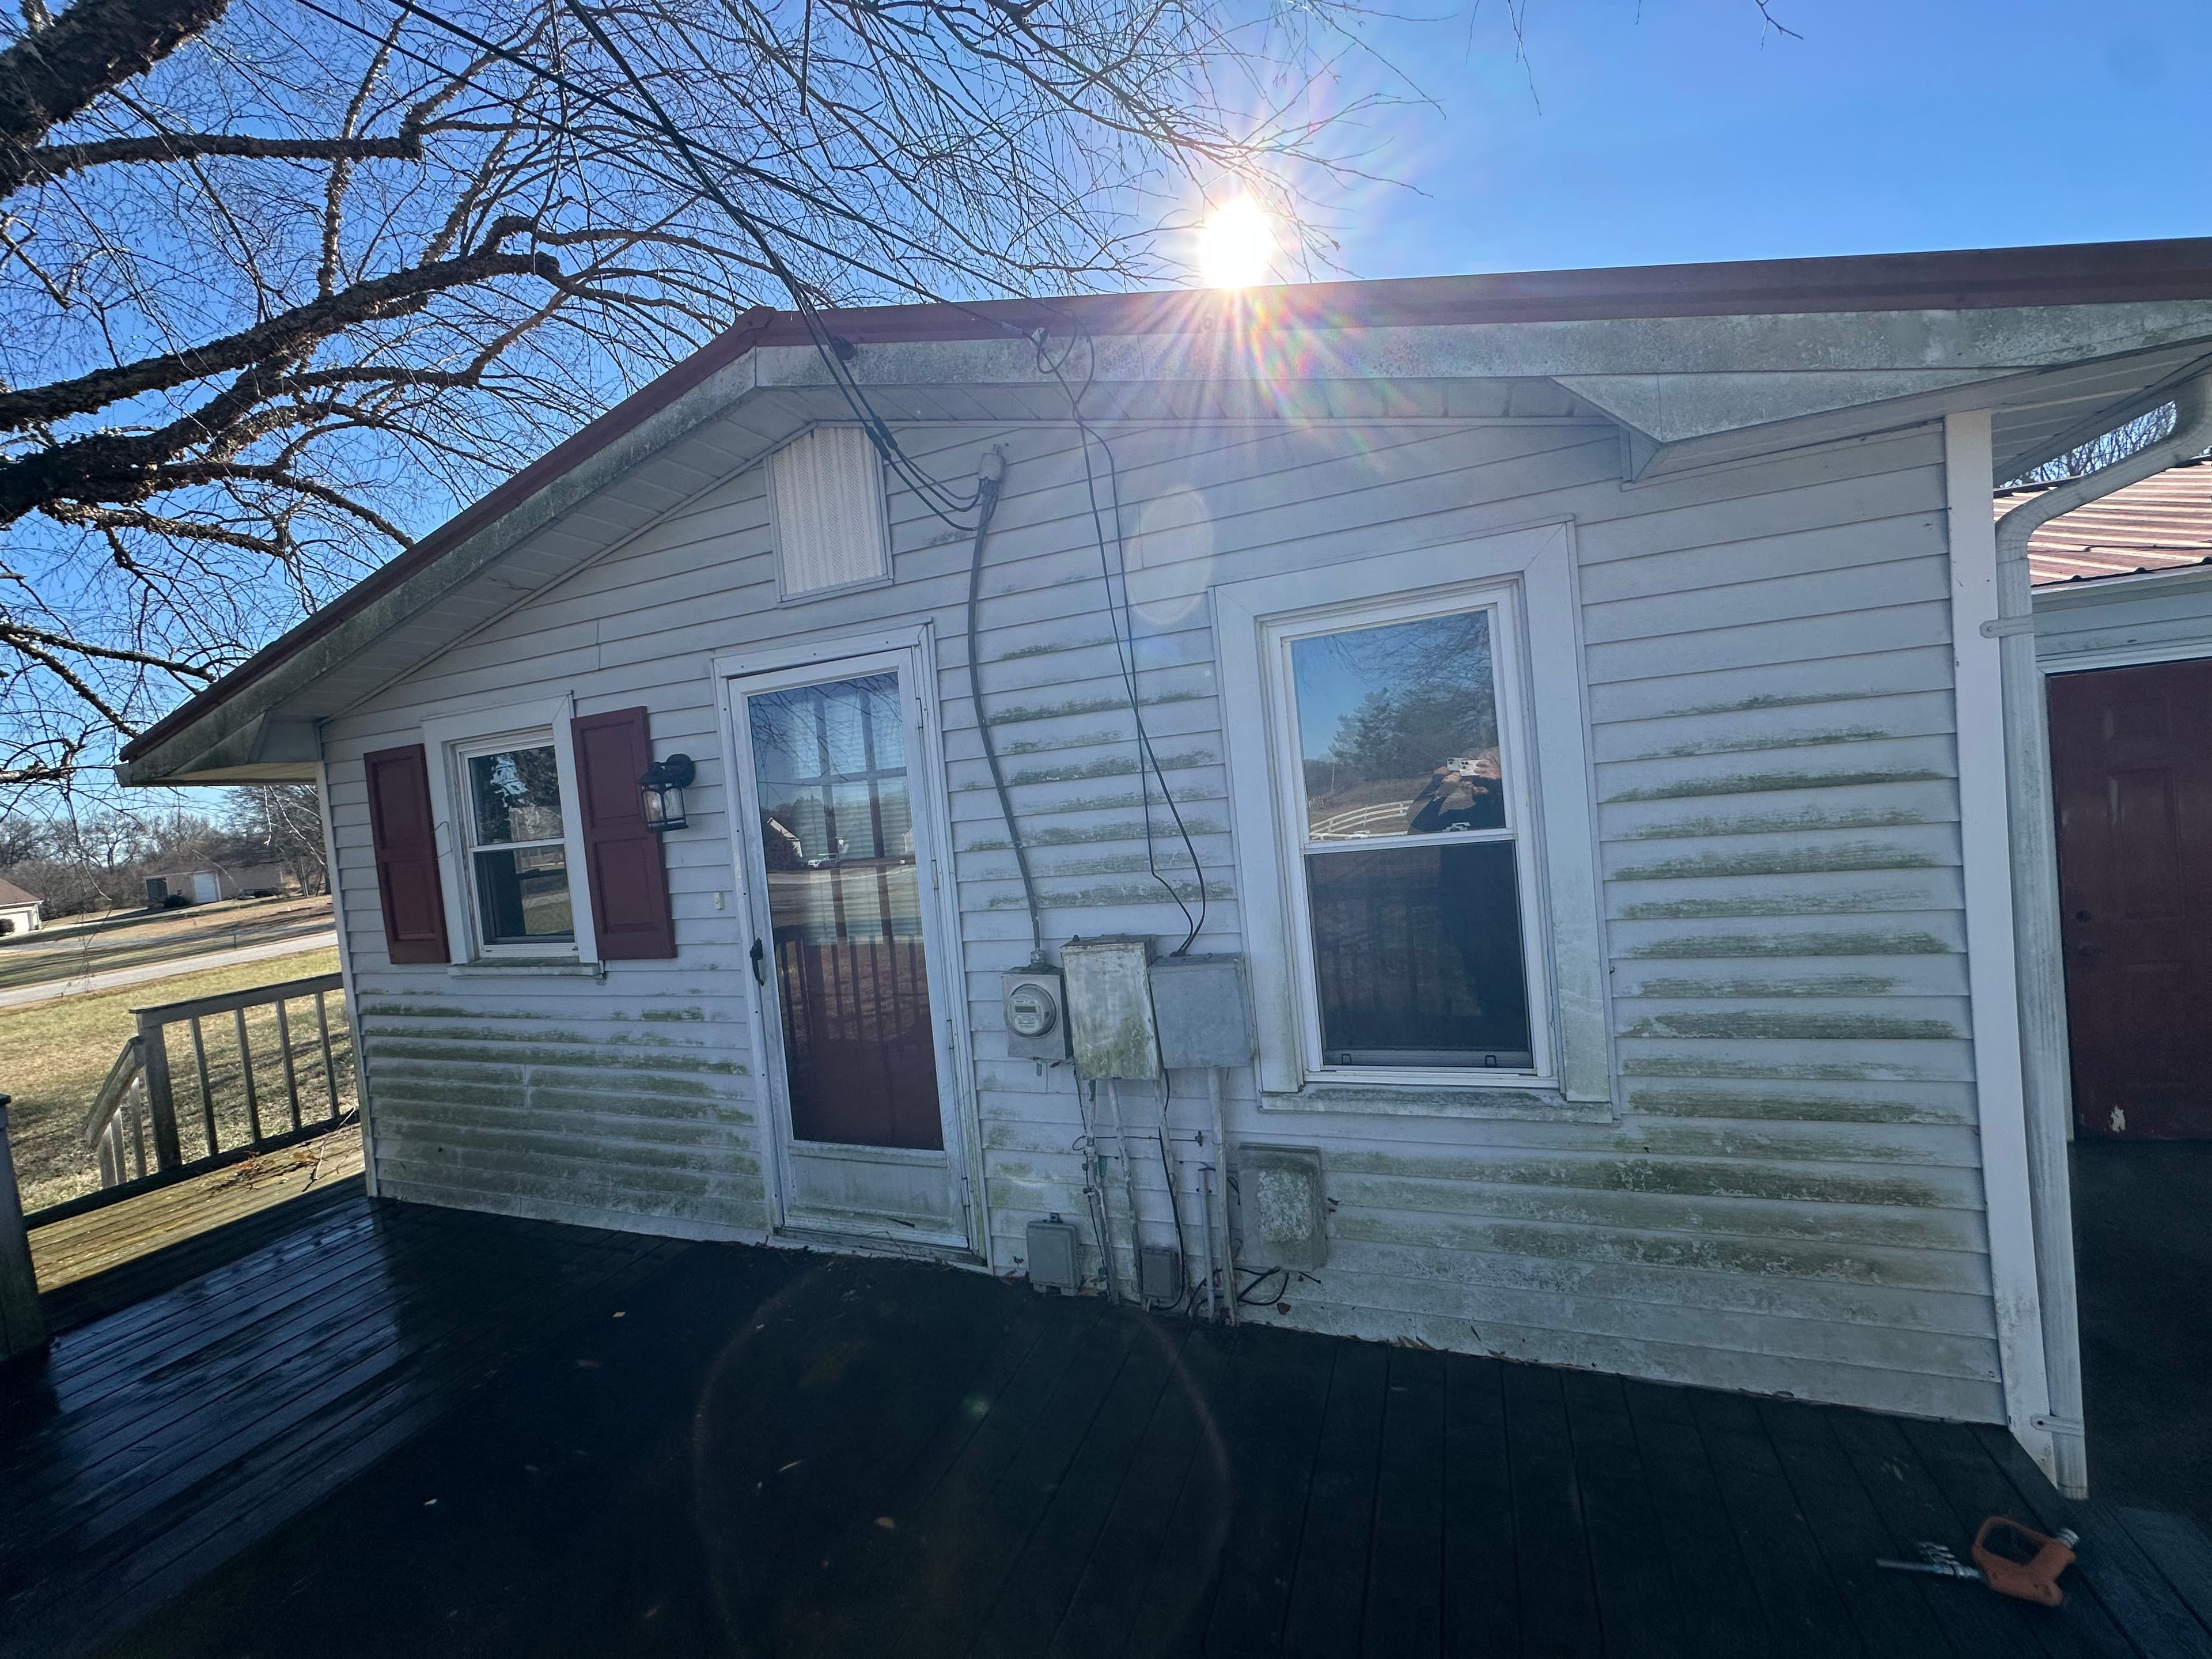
x=244, y=1102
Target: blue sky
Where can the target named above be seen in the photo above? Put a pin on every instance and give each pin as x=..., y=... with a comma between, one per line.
x=1675, y=130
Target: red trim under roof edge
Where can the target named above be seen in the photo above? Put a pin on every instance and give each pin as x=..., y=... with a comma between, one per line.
x=2091, y=273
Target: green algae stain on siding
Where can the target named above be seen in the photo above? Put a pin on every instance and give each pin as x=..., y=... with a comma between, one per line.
x=1760, y=783
x=1785, y=862
x=1750, y=1026
x=1853, y=944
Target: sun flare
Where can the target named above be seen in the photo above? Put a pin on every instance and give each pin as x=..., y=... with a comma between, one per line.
x=1235, y=245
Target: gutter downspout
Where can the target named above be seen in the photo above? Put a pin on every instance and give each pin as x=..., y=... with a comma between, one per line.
x=2040, y=963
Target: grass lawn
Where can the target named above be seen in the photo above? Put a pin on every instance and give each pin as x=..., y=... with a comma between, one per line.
x=54, y=1054
x=50, y=955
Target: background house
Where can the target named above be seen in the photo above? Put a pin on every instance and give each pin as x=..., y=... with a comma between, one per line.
x=206, y=882
x=1628, y=625
x=20, y=912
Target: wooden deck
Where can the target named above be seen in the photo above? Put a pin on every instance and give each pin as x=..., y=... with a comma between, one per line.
x=104, y=1259
x=403, y=1430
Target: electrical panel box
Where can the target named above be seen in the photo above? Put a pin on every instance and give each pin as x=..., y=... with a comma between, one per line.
x=1281, y=1214
x=1159, y=1275
x=1109, y=1007
x=1036, y=1014
x=1056, y=1256
x=1205, y=1019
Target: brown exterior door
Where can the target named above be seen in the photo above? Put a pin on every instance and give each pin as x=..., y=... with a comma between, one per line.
x=2131, y=768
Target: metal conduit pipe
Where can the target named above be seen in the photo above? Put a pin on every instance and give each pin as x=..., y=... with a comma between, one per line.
x=2039, y=962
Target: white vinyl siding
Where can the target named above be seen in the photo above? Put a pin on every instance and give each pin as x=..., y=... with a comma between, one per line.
x=1782, y=1193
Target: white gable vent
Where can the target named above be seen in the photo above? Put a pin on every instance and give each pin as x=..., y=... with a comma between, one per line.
x=830, y=528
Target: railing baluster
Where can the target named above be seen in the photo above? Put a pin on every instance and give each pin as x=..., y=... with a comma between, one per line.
x=207, y=1094
x=291, y=1076
x=139, y=1136
x=245, y=1066
x=161, y=1102
x=330, y=1066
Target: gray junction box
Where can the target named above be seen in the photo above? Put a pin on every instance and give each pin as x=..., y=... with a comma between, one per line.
x=1056, y=1256
x=1109, y=1007
x=1204, y=1018
x=1282, y=1214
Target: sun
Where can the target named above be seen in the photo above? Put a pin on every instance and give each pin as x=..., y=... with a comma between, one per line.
x=1235, y=245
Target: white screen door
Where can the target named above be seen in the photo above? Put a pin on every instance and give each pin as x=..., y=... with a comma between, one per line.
x=845, y=954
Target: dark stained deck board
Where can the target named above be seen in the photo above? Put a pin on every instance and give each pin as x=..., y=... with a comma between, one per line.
x=1804, y=1610
x=2114, y=1606
x=168, y=1456
x=1404, y=1608
x=1144, y=1580
x=1328, y=1582
x=166, y=1266
x=1891, y=1610
x=1272, y=1412
x=501, y=1436
x=1480, y=1599
x=1041, y=1579
x=1636, y=1588
x=1722, y=1618
x=1558, y=1590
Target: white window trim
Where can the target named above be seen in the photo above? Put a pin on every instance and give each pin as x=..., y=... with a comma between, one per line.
x=1529, y=574
x=445, y=740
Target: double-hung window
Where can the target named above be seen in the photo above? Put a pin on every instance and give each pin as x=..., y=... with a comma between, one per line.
x=1406, y=819
x=1416, y=858
x=517, y=846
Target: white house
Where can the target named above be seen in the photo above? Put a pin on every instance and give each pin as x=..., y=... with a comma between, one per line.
x=20, y=912
x=1593, y=708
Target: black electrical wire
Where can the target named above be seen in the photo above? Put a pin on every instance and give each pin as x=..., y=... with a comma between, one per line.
x=1245, y=1298
x=941, y=501
x=1124, y=628
x=1167, y=1171
x=987, y=485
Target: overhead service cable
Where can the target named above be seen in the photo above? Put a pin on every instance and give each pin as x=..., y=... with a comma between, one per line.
x=1122, y=624
x=941, y=501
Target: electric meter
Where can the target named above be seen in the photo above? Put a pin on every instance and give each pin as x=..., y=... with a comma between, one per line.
x=1030, y=1012
x=1035, y=1028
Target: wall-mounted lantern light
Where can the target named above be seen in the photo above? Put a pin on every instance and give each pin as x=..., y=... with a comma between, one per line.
x=661, y=791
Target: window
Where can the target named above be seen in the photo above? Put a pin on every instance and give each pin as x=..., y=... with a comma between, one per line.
x=1410, y=775
x=518, y=858
x=1404, y=819
x=1405, y=832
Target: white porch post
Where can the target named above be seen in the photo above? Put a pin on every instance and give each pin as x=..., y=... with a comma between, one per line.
x=2025, y=1187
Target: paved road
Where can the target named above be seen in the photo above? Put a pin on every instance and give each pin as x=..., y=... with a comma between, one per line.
x=115, y=978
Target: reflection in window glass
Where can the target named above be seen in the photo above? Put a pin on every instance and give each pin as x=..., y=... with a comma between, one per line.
x=1417, y=957
x=517, y=858
x=1397, y=729
x=517, y=796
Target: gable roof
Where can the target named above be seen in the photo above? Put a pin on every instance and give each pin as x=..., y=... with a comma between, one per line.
x=11, y=896
x=2162, y=523
x=1649, y=337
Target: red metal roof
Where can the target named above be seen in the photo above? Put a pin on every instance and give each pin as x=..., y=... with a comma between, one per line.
x=2161, y=524
x=2096, y=273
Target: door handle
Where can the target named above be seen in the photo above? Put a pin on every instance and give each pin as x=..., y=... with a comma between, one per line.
x=760, y=964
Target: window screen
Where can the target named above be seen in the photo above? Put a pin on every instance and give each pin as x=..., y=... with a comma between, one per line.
x=830, y=523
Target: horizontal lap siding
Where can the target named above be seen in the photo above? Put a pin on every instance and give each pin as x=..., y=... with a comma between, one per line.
x=1789, y=1199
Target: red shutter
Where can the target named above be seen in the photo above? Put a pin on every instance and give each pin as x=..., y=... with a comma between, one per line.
x=406, y=855
x=622, y=858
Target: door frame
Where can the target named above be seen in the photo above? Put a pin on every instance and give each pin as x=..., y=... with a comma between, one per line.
x=912, y=652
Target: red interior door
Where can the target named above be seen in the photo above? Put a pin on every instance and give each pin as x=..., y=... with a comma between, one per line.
x=2132, y=766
